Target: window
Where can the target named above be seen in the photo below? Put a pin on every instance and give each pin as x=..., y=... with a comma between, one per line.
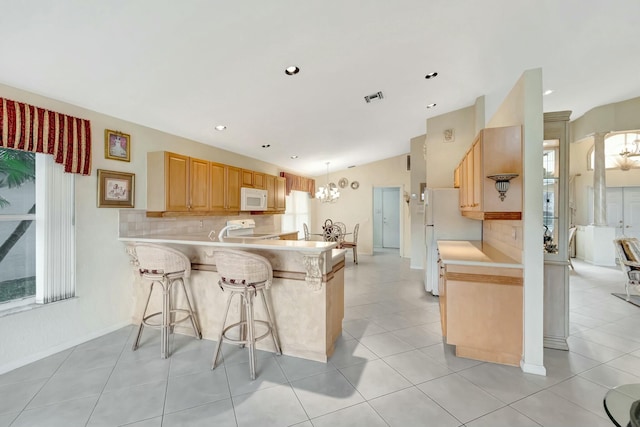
x=297, y=212
x=37, y=252
x=17, y=228
x=621, y=151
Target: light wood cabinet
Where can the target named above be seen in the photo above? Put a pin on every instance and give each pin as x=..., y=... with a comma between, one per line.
x=198, y=185
x=276, y=187
x=182, y=185
x=281, y=189
x=225, y=188
x=177, y=183
x=494, y=151
x=481, y=311
x=253, y=179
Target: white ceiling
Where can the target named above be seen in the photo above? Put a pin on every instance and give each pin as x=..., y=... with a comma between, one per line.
x=185, y=66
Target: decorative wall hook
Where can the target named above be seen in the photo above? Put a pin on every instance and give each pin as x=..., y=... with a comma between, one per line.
x=502, y=182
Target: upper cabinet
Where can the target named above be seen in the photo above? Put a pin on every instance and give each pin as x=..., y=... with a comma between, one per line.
x=275, y=187
x=253, y=179
x=225, y=188
x=182, y=185
x=177, y=183
x=496, y=153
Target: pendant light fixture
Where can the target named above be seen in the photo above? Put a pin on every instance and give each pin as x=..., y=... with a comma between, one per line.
x=329, y=193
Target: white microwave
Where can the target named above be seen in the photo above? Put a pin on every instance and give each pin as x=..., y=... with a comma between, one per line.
x=253, y=199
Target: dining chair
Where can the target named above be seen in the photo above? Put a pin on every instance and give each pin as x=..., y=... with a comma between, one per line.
x=327, y=223
x=343, y=227
x=333, y=234
x=353, y=244
x=305, y=227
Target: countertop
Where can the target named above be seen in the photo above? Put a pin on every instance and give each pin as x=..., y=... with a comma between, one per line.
x=474, y=252
x=234, y=242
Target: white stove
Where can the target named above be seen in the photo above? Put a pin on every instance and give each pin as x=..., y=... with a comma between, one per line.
x=244, y=228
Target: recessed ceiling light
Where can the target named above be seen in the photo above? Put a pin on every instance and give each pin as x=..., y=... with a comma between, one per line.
x=431, y=105
x=431, y=75
x=294, y=157
x=290, y=71
x=221, y=127
x=266, y=145
x=548, y=92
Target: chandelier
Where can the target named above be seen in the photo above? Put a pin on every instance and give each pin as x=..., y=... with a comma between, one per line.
x=636, y=147
x=626, y=162
x=329, y=193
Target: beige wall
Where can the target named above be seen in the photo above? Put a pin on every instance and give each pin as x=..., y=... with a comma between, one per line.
x=443, y=157
x=356, y=206
x=523, y=106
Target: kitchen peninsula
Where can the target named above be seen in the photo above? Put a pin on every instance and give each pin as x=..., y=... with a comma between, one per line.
x=481, y=301
x=307, y=293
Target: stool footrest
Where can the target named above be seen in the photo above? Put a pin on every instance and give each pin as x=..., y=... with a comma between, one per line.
x=145, y=320
x=244, y=322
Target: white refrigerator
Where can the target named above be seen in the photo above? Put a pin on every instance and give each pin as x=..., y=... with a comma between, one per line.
x=443, y=221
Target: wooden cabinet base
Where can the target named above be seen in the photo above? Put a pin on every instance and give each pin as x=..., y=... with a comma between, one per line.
x=488, y=356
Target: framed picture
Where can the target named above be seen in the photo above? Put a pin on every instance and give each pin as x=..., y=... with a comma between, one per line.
x=115, y=189
x=117, y=145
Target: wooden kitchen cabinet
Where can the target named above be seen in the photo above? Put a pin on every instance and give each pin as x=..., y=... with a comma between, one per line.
x=177, y=183
x=481, y=311
x=494, y=151
x=281, y=194
x=276, y=197
x=253, y=179
x=225, y=188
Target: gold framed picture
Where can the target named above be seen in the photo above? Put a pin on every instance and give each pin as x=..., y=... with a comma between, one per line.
x=117, y=145
x=115, y=189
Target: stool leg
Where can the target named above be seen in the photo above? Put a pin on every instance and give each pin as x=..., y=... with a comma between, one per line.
x=192, y=316
x=251, y=340
x=243, y=320
x=136, y=343
x=272, y=325
x=166, y=320
x=216, y=352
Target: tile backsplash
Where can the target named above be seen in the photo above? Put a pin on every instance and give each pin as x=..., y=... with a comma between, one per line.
x=506, y=236
x=134, y=223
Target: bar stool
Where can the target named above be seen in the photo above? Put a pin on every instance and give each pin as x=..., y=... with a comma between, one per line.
x=164, y=266
x=246, y=275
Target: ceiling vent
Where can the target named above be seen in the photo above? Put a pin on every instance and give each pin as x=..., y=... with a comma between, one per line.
x=377, y=95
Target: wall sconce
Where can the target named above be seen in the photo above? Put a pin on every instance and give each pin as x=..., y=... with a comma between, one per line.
x=502, y=182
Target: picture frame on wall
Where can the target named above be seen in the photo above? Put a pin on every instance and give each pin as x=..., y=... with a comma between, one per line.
x=115, y=189
x=117, y=145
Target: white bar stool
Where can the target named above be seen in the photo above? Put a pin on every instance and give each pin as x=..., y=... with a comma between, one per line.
x=164, y=266
x=247, y=275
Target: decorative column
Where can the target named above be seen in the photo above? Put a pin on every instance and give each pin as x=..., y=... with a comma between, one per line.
x=599, y=181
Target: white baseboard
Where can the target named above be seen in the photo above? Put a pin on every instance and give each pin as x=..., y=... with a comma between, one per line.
x=53, y=350
x=530, y=368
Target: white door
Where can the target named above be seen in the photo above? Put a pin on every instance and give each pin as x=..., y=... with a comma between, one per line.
x=615, y=211
x=391, y=218
x=623, y=210
x=631, y=197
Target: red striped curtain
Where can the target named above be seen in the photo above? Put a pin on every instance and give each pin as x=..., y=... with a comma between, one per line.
x=28, y=128
x=299, y=183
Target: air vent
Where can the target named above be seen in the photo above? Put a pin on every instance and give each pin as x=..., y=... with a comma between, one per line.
x=377, y=95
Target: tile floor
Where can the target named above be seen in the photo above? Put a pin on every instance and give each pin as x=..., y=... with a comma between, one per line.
x=390, y=368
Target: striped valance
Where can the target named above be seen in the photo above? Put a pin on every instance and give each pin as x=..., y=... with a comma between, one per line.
x=28, y=128
x=299, y=183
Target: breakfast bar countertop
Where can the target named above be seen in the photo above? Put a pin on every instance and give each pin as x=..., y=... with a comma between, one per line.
x=231, y=242
x=474, y=252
